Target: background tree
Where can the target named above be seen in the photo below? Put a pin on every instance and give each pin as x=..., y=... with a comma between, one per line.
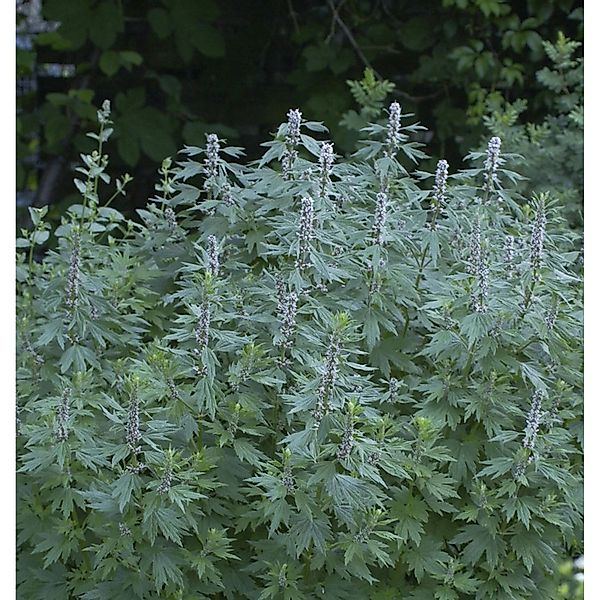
x=176, y=69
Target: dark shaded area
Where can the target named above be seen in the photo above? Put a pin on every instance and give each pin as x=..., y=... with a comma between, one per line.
x=176, y=69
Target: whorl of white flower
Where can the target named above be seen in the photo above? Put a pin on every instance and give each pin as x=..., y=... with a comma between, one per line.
x=439, y=185
x=491, y=161
x=170, y=218
x=347, y=443
x=551, y=315
x=288, y=313
x=538, y=233
x=306, y=223
x=173, y=391
x=202, y=329
x=288, y=481
x=227, y=195
x=474, y=258
x=394, y=386
x=280, y=293
x=213, y=256
x=74, y=275
x=381, y=203
x=478, y=267
x=481, y=288
x=167, y=481
x=132, y=427
x=62, y=416
x=328, y=378
x=287, y=162
x=393, y=129
x=509, y=252
x=211, y=162
x=534, y=419
x=326, y=160
x=292, y=136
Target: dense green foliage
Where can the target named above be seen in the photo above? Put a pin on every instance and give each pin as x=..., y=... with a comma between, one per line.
x=301, y=377
x=554, y=148
x=179, y=68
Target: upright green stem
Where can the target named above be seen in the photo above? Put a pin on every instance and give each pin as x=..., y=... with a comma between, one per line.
x=426, y=249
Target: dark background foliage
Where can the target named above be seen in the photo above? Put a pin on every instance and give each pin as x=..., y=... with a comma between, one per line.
x=176, y=69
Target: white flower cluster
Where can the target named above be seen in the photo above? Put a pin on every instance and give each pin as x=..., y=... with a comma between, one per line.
x=306, y=230
x=292, y=137
x=62, y=416
x=393, y=129
x=347, y=443
x=132, y=427
x=328, y=378
x=203, y=327
x=326, y=160
x=534, y=419
x=492, y=161
x=213, y=256
x=170, y=218
x=440, y=183
x=478, y=267
x=211, y=162
x=474, y=249
x=381, y=203
x=509, y=253
x=288, y=481
x=287, y=315
x=550, y=316
x=167, y=481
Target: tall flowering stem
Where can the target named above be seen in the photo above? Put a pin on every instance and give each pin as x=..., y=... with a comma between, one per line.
x=287, y=316
x=380, y=218
x=167, y=480
x=202, y=336
x=492, y=161
x=347, y=443
x=534, y=419
x=326, y=159
x=133, y=434
x=328, y=379
x=439, y=185
x=509, y=253
x=478, y=267
x=62, y=416
x=439, y=200
x=330, y=368
x=305, y=228
x=74, y=276
x=394, y=137
x=536, y=250
x=213, y=256
x=211, y=162
x=292, y=139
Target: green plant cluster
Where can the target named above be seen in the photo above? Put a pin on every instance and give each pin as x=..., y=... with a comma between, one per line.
x=553, y=146
x=300, y=377
x=178, y=69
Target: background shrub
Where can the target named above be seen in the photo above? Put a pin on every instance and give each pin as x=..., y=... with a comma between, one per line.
x=177, y=69
x=301, y=377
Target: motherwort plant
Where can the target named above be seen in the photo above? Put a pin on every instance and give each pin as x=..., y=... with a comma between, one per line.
x=303, y=377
